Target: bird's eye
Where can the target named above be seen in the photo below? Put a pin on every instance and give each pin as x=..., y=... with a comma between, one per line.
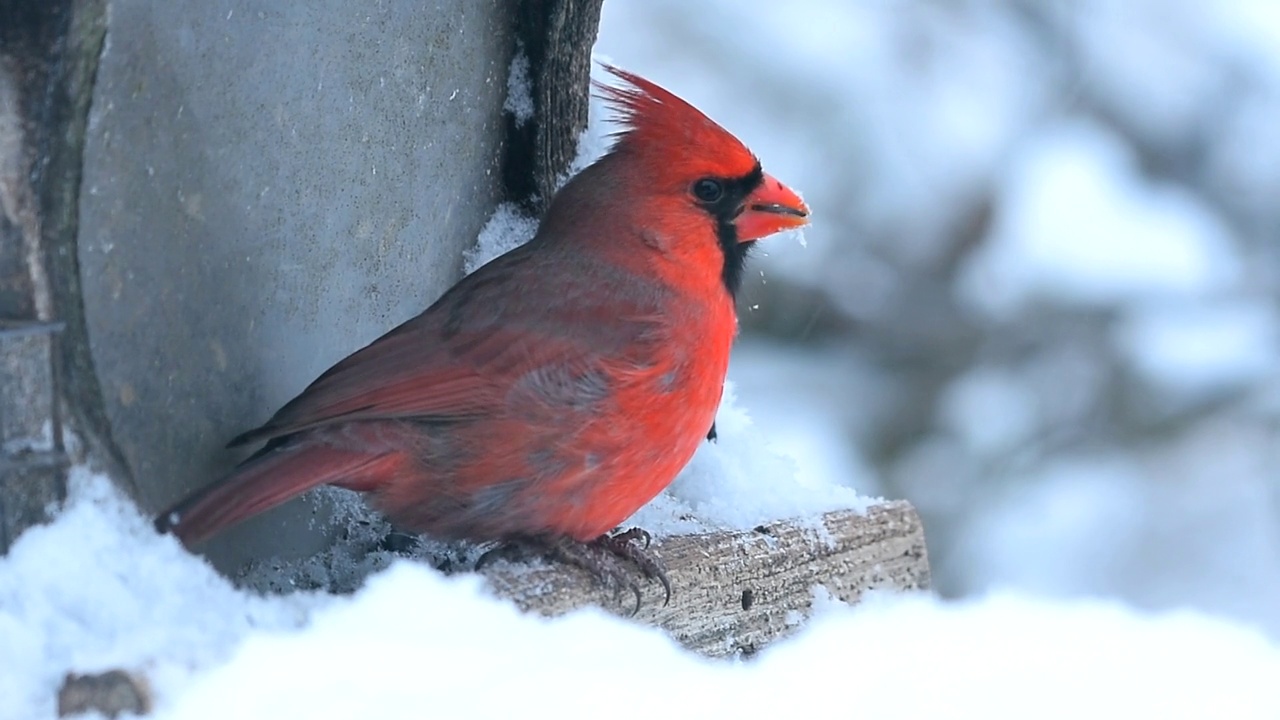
x=708, y=190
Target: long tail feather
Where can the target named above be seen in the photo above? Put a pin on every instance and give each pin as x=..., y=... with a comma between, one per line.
x=269, y=480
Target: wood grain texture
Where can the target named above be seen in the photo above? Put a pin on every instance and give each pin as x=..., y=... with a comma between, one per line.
x=735, y=592
x=556, y=36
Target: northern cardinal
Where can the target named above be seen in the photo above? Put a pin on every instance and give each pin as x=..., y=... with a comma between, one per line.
x=561, y=386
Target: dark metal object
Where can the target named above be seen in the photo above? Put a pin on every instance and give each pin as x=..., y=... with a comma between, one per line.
x=33, y=460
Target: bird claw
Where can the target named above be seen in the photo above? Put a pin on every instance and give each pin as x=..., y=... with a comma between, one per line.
x=513, y=551
x=400, y=543
x=623, y=545
x=611, y=559
x=626, y=536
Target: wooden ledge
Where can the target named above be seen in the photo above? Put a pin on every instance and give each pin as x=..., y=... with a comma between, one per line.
x=735, y=592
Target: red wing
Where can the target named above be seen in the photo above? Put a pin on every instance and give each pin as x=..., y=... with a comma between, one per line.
x=415, y=373
x=459, y=358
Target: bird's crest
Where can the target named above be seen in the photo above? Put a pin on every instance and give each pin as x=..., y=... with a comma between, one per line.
x=654, y=118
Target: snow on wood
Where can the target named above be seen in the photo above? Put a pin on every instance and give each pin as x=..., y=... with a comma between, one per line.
x=735, y=592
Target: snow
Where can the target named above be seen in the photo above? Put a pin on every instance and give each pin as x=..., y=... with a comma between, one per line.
x=741, y=481
x=1002, y=658
x=802, y=418
x=597, y=138
x=99, y=589
x=508, y=228
x=519, y=100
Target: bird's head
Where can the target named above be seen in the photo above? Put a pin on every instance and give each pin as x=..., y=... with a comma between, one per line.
x=697, y=169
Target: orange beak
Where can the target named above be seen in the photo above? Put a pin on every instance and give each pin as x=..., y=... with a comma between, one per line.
x=773, y=207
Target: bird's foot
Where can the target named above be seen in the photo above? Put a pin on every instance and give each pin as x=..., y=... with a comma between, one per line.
x=633, y=545
x=400, y=542
x=513, y=551
x=611, y=559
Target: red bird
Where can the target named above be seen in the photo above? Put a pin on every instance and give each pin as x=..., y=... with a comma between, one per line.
x=554, y=391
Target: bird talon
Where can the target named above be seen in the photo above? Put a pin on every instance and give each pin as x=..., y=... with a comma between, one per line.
x=621, y=546
x=610, y=559
x=514, y=551
x=400, y=543
x=635, y=533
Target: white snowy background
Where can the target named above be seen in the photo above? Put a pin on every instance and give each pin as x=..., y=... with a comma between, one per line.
x=1038, y=300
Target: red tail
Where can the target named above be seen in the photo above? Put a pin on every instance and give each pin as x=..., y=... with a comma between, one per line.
x=270, y=480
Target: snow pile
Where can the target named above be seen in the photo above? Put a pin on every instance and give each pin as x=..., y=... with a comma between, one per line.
x=507, y=229
x=99, y=589
x=740, y=481
x=444, y=648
